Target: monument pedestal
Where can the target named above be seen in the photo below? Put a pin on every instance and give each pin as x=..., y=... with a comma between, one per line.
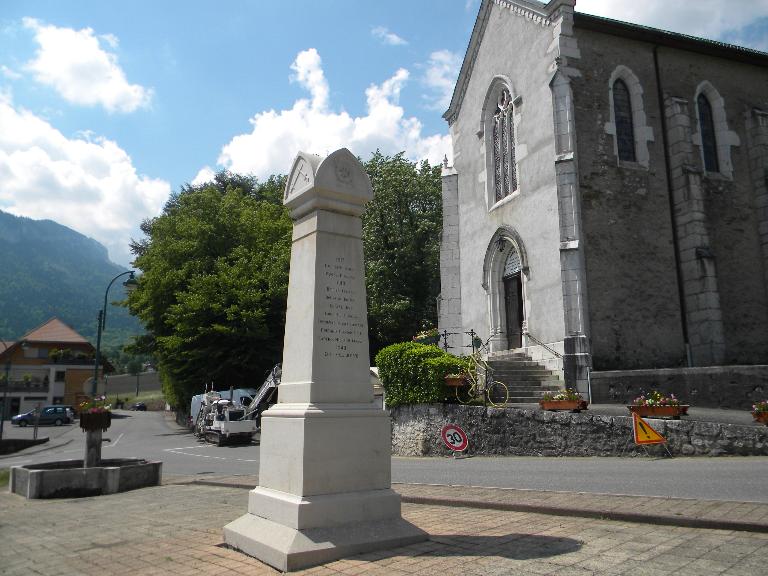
x=325, y=463
x=288, y=549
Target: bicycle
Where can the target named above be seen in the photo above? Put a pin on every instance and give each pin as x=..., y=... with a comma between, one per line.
x=479, y=382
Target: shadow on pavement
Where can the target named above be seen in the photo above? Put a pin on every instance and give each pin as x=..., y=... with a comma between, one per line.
x=512, y=546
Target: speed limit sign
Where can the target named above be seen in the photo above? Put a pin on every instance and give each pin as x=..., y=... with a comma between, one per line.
x=454, y=437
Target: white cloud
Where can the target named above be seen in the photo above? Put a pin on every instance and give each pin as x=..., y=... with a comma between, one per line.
x=309, y=73
x=9, y=73
x=388, y=37
x=442, y=70
x=312, y=126
x=87, y=183
x=76, y=65
x=714, y=19
x=205, y=174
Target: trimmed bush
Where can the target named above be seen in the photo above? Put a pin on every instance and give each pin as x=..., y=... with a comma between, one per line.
x=413, y=373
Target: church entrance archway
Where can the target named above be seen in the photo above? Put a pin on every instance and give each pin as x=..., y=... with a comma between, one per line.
x=505, y=275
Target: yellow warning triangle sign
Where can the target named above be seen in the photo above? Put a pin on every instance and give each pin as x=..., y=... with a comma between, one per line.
x=644, y=434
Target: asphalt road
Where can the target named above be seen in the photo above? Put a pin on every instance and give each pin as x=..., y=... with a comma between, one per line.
x=150, y=435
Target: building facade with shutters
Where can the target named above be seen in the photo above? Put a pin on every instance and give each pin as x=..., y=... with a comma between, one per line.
x=607, y=207
x=51, y=364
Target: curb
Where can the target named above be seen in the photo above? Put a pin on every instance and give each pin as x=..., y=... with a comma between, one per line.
x=29, y=451
x=574, y=512
x=656, y=519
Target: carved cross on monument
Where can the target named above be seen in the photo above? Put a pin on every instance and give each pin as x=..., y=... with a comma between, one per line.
x=325, y=465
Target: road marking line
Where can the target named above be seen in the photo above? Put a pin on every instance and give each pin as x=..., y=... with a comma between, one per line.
x=113, y=444
x=196, y=455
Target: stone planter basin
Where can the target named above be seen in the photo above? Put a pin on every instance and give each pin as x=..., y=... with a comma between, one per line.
x=68, y=478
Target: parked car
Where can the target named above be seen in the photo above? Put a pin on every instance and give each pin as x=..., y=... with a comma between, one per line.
x=56, y=415
x=139, y=406
x=70, y=410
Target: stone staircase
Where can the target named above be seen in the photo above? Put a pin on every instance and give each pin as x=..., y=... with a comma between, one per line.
x=526, y=379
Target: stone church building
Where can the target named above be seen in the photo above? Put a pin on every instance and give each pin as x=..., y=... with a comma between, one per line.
x=608, y=204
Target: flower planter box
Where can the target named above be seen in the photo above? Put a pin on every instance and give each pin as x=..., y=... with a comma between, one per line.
x=573, y=405
x=455, y=381
x=660, y=411
x=761, y=417
x=95, y=421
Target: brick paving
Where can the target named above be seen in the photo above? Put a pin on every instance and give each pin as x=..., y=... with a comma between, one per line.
x=177, y=529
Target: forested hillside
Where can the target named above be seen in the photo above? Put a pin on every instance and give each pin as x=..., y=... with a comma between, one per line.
x=46, y=270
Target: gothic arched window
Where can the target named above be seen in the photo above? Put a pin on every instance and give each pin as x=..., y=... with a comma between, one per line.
x=625, y=130
x=505, y=173
x=708, y=137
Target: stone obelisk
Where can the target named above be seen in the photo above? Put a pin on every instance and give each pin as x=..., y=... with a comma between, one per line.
x=325, y=467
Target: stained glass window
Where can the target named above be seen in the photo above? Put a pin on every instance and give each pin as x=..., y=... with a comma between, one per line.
x=505, y=172
x=625, y=130
x=708, y=139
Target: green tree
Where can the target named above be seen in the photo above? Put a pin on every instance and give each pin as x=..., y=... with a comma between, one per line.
x=401, y=235
x=213, y=288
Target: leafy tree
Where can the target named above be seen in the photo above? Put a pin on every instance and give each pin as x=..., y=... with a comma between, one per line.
x=401, y=235
x=213, y=290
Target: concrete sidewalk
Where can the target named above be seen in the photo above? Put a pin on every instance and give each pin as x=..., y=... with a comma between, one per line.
x=177, y=529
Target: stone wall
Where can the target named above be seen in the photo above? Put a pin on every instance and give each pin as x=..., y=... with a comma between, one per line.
x=514, y=432
x=628, y=234
x=634, y=302
x=736, y=387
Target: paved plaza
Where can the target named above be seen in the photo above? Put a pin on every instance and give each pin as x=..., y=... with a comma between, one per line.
x=177, y=529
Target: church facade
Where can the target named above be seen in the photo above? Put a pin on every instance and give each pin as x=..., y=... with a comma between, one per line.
x=607, y=207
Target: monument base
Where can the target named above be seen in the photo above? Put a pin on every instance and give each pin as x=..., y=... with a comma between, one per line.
x=289, y=549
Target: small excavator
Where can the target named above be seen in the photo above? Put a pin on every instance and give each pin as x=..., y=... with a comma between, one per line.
x=221, y=420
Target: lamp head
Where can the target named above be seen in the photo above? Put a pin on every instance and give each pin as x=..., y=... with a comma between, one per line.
x=131, y=284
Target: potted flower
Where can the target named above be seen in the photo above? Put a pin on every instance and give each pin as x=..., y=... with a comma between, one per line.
x=760, y=412
x=656, y=405
x=431, y=336
x=455, y=380
x=95, y=414
x=569, y=399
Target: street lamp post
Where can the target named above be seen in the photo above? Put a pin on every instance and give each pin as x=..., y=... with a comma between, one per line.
x=130, y=285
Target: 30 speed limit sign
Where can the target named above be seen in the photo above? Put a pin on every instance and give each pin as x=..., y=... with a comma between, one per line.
x=454, y=437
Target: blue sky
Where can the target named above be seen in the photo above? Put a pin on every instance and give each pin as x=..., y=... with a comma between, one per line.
x=107, y=107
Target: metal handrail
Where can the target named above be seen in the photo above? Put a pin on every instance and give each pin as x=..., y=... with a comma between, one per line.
x=540, y=343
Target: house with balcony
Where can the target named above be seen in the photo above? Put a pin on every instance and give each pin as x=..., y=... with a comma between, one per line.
x=51, y=364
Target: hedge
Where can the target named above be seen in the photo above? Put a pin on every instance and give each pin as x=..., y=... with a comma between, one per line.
x=413, y=373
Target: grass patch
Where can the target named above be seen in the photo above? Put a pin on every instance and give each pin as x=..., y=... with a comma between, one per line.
x=154, y=400
x=5, y=475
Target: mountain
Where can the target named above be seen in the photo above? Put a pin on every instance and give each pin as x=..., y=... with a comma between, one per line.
x=47, y=270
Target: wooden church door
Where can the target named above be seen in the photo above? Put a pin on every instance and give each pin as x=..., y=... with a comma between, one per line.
x=513, y=304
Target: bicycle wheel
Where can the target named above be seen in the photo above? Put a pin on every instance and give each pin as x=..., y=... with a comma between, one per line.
x=464, y=394
x=498, y=394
